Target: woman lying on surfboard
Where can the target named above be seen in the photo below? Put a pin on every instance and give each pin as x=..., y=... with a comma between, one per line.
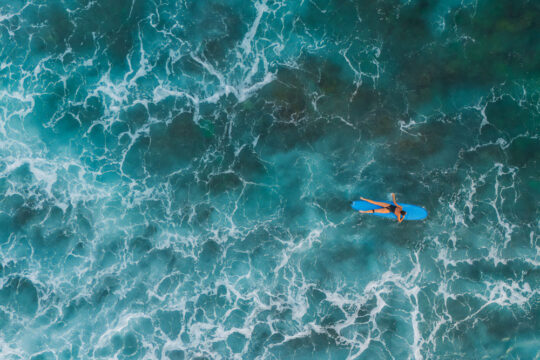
x=386, y=208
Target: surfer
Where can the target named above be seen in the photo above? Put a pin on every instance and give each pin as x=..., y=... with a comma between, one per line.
x=386, y=208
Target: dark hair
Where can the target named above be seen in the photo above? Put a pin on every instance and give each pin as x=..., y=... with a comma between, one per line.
x=402, y=212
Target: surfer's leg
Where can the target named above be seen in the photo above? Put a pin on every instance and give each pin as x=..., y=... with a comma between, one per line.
x=376, y=202
x=381, y=211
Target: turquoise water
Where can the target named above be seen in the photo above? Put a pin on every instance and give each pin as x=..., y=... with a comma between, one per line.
x=175, y=179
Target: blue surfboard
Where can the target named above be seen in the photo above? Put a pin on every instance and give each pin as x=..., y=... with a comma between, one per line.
x=413, y=212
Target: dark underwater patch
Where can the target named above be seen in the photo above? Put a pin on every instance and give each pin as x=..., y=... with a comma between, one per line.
x=19, y=294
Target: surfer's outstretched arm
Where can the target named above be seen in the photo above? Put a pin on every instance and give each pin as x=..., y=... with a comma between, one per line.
x=394, y=198
x=375, y=202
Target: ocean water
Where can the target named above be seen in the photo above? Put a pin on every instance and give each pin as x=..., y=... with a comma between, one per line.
x=175, y=179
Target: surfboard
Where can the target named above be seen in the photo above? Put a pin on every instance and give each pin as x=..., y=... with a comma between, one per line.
x=413, y=212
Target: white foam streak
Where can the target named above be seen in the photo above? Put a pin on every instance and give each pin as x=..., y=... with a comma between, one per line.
x=248, y=38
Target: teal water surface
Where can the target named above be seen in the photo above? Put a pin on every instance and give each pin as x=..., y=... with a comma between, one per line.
x=175, y=179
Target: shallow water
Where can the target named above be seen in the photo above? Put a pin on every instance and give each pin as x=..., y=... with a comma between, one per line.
x=175, y=179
